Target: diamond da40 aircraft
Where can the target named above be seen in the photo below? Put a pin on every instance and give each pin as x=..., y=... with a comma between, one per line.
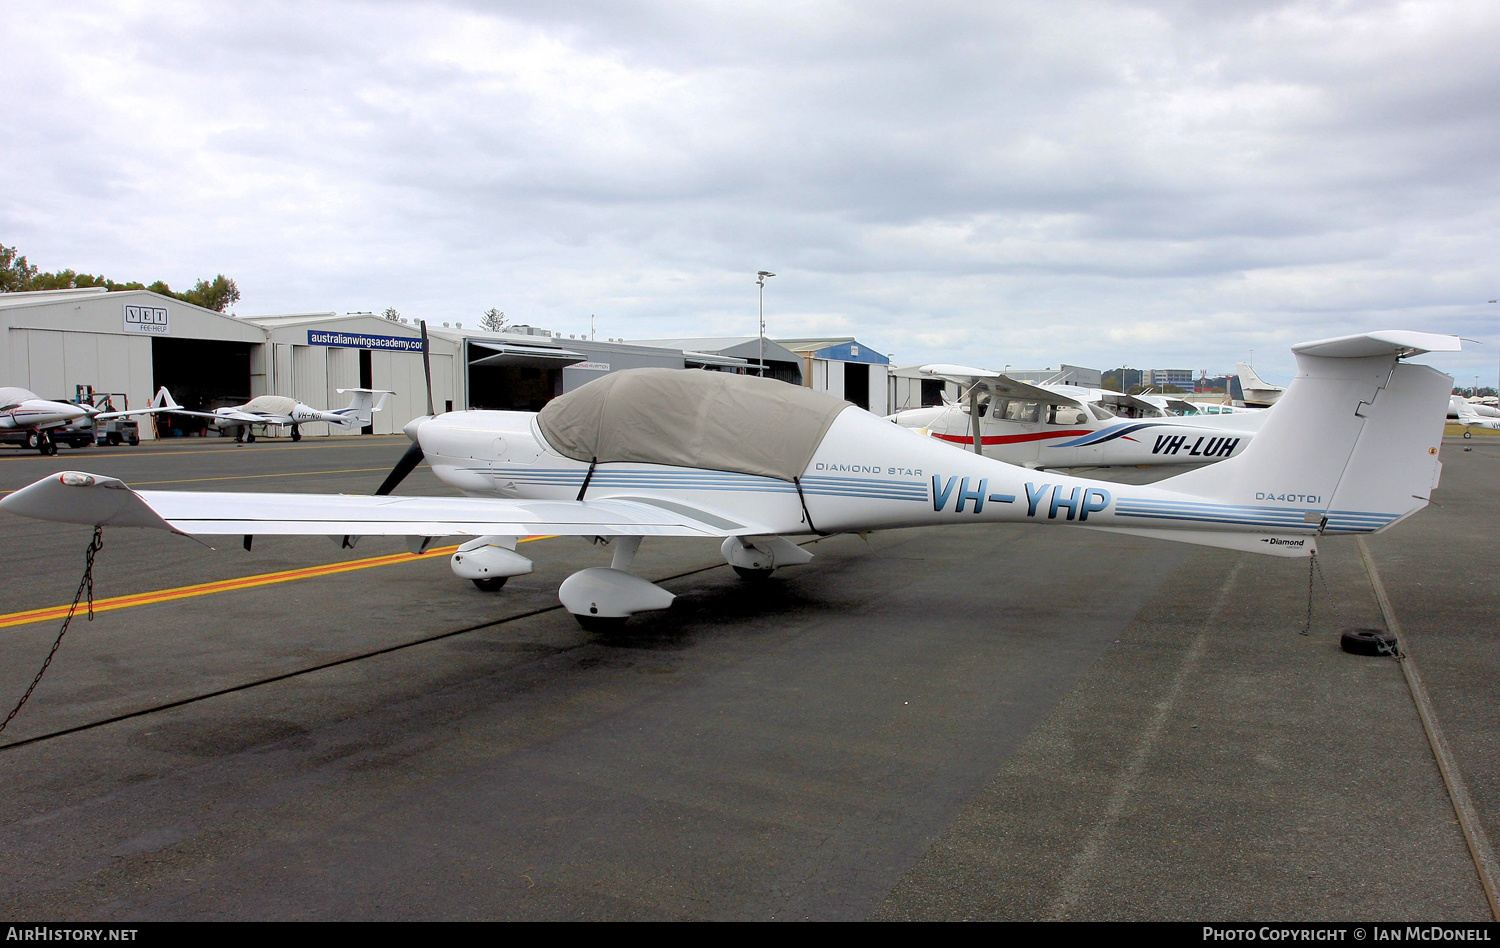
x=1351, y=449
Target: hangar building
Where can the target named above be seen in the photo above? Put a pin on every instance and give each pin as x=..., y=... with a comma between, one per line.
x=780, y=362
x=135, y=342
x=130, y=343
x=844, y=368
x=841, y=367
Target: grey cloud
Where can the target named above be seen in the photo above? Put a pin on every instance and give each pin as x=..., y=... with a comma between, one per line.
x=1085, y=175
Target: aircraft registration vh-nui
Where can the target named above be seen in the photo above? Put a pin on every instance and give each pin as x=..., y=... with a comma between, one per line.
x=1351, y=448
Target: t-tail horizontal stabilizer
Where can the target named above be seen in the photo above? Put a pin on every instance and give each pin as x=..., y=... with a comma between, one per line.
x=1352, y=446
x=362, y=406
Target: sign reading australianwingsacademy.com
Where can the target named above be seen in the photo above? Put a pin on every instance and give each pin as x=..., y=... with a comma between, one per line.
x=359, y=340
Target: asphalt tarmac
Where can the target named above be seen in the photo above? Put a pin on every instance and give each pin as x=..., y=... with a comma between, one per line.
x=1007, y=722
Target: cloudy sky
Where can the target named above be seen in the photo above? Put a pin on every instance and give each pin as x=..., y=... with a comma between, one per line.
x=1144, y=183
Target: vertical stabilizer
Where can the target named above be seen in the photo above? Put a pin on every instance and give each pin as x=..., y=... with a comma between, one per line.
x=1353, y=443
x=362, y=406
x=1249, y=380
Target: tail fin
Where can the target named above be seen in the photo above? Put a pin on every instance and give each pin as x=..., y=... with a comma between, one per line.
x=1353, y=443
x=363, y=405
x=164, y=399
x=1248, y=379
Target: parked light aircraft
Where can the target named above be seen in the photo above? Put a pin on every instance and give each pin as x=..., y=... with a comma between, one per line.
x=1042, y=426
x=1472, y=416
x=33, y=420
x=1351, y=449
x=1255, y=392
x=281, y=410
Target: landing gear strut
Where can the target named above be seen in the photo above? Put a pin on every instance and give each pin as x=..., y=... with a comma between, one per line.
x=296, y=433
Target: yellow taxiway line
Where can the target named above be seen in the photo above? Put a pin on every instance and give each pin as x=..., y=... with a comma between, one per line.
x=227, y=585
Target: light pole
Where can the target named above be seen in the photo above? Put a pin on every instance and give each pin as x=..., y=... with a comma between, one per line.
x=760, y=281
x=1497, y=380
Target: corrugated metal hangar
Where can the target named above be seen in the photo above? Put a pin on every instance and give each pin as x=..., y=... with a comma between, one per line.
x=130, y=344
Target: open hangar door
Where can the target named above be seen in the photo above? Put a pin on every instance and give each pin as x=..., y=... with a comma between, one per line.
x=202, y=374
x=514, y=377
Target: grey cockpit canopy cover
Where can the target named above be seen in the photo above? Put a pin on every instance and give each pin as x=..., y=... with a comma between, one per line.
x=692, y=418
x=269, y=405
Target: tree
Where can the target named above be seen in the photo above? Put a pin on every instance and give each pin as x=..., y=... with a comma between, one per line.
x=16, y=276
x=391, y=314
x=493, y=320
x=217, y=296
x=15, y=273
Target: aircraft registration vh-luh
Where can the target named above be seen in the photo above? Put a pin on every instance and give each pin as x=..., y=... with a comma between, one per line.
x=1351, y=448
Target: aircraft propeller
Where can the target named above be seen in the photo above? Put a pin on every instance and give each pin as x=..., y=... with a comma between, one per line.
x=413, y=455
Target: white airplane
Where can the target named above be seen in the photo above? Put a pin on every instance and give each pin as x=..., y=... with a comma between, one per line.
x=1472, y=416
x=1042, y=426
x=33, y=421
x=1255, y=392
x=1352, y=449
x=282, y=410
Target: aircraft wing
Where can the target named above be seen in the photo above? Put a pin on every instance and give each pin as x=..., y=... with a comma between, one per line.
x=154, y=410
x=179, y=410
x=95, y=500
x=1121, y=400
x=999, y=384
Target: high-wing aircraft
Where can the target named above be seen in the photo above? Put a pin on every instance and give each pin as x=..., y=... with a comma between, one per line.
x=281, y=410
x=33, y=420
x=1043, y=426
x=1255, y=392
x=1351, y=449
x=1472, y=416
